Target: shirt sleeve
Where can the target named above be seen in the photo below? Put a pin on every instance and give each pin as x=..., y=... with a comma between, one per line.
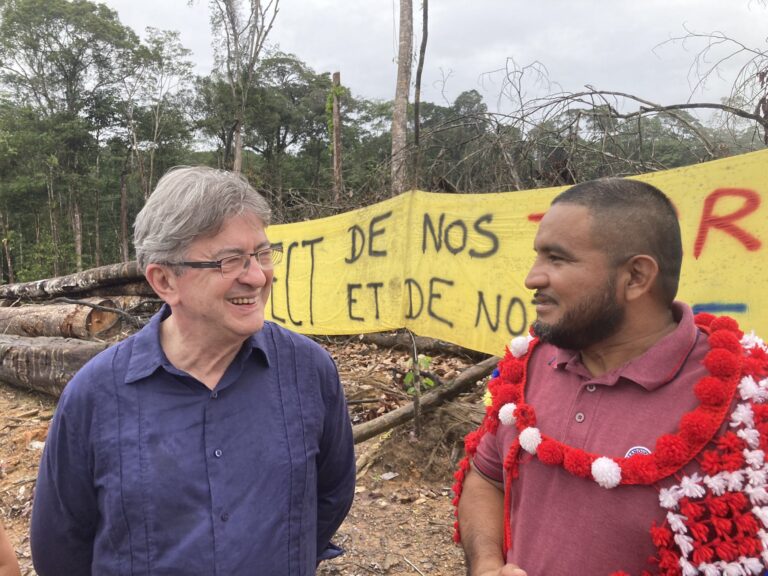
x=336, y=460
x=488, y=459
x=64, y=511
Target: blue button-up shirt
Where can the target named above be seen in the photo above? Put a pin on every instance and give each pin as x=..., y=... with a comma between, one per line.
x=147, y=471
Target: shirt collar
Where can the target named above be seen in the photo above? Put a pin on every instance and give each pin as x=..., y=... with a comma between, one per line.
x=147, y=354
x=671, y=351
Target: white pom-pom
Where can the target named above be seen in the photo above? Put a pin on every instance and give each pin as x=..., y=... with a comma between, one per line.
x=762, y=514
x=669, y=497
x=606, y=472
x=751, y=340
x=734, y=569
x=709, y=569
x=519, y=345
x=748, y=388
x=734, y=480
x=753, y=565
x=717, y=484
x=688, y=568
x=507, y=413
x=743, y=415
x=685, y=543
x=677, y=522
x=755, y=458
x=691, y=487
x=530, y=438
x=750, y=436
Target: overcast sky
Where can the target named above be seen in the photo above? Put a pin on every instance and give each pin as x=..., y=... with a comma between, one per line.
x=611, y=45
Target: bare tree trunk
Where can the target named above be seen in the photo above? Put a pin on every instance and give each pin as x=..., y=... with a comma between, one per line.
x=124, y=214
x=77, y=231
x=243, y=35
x=53, y=216
x=338, y=184
x=400, y=111
x=417, y=90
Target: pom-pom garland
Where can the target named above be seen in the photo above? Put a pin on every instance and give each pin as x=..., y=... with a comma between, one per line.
x=730, y=501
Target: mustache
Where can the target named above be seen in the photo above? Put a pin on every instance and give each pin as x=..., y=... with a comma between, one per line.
x=541, y=298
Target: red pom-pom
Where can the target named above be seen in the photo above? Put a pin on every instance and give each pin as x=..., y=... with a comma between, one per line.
x=697, y=426
x=578, y=463
x=711, y=391
x=661, y=536
x=505, y=395
x=639, y=469
x=726, y=340
x=702, y=554
x=726, y=323
x=671, y=450
x=710, y=462
x=550, y=452
x=704, y=319
x=721, y=363
x=493, y=385
x=512, y=370
x=525, y=417
x=730, y=442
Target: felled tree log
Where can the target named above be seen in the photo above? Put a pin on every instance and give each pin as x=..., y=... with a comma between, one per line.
x=429, y=401
x=82, y=282
x=44, y=364
x=62, y=320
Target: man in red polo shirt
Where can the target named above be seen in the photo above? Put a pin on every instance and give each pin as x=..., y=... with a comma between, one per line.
x=604, y=450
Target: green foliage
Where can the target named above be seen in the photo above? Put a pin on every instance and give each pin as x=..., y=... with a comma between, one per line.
x=422, y=365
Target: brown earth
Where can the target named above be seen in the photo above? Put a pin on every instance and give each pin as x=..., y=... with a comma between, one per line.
x=402, y=519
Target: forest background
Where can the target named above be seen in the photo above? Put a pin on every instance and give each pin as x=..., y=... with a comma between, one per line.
x=91, y=115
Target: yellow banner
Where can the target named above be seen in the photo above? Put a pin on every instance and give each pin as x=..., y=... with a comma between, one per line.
x=452, y=266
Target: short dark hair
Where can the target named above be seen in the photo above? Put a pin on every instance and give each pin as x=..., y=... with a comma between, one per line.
x=630, y=218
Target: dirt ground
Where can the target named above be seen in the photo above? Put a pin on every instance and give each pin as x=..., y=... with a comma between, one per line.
x=401, y=521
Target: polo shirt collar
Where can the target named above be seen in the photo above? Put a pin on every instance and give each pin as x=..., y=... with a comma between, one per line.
x=147, y=355
x=671, y=351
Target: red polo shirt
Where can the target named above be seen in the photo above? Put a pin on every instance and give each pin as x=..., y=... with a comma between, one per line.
x=562, y=524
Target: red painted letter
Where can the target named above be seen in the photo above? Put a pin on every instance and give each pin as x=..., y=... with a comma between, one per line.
x=726, y=223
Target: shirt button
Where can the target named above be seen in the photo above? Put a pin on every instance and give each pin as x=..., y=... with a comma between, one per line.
x=579, y=417
x=591, y=387
x=217, y=453
x=225, y=517
x=214, y=395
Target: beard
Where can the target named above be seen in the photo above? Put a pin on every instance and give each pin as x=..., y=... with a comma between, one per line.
x=590, y=321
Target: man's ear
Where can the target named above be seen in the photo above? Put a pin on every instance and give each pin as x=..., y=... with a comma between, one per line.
x=641, y=273
x=163, y=281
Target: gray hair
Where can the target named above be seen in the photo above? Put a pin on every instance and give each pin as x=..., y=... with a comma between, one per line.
x=187, y=203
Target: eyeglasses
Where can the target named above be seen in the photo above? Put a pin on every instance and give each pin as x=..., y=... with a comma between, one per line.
x=236, y=266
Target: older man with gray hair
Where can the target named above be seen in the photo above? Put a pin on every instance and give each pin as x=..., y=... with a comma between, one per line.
x=211, y=441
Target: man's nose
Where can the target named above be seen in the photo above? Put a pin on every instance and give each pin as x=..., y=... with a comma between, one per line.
x=536, y=278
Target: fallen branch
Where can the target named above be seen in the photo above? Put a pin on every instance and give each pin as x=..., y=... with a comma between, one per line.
x=429, y=401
